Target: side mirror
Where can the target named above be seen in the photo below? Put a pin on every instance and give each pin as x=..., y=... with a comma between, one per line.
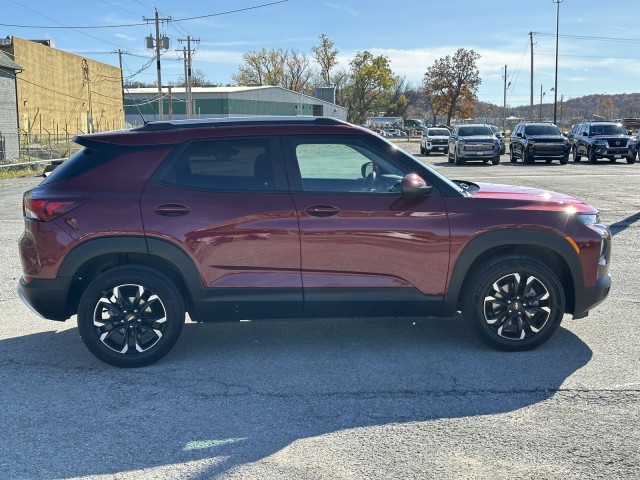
x=519, y=134
x=366, y=169
x=413, y=184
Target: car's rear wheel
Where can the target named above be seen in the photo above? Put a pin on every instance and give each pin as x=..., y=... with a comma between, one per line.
x=130, y=316
x=514, y=302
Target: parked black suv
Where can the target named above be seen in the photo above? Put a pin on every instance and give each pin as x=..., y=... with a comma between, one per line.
x=536, y=141
x=609, y=140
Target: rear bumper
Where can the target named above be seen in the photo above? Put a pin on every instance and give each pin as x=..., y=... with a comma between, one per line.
x=590, y=297
x=47, y=298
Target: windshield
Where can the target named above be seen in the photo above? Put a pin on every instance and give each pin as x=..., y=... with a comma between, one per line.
x=438, y=132
x=607, y=130
x=541, y=130
x=474, y=131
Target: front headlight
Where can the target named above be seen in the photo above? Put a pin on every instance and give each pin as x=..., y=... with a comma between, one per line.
x=599, y=142
x=461, y=144
x=588, y=218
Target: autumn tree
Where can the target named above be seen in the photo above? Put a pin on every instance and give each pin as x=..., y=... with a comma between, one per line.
x=607, y=107
x=370, y=82
x=452, y=82
x=327, y=57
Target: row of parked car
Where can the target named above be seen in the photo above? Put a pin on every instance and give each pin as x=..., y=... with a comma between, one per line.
x=532, y=141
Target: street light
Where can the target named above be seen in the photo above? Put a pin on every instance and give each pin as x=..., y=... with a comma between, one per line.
x=555, y=86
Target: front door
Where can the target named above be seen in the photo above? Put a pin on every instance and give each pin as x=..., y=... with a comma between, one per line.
x=364, y=244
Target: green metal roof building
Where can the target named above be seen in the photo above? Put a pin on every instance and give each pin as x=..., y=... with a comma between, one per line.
x=141, y=104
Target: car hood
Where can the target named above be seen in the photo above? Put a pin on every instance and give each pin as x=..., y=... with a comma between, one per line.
x=490, y=138
x=558, y=138
x=438, y=137
x=529, y=195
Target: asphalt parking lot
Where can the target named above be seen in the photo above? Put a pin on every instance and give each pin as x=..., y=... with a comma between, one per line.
x=325, y=399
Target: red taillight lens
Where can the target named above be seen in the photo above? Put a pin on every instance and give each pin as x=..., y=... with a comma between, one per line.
x=47, y=208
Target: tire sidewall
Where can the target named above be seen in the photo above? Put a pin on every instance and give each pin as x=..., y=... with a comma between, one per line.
x=481, y=283
x=152, y=280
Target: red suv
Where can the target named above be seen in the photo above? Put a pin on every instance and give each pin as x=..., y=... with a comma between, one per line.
x=234, y=219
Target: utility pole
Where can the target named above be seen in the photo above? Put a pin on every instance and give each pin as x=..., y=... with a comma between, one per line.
x=187, y=73
x=504, y=105
x=531, y=42
x=541, y=95
x=120, y=52
x=161, y=43
x=555, y=95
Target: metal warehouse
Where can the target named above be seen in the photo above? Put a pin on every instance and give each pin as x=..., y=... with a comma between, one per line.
x=141, y=104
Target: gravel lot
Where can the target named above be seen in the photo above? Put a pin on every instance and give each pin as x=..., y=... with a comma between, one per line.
x=326, y=399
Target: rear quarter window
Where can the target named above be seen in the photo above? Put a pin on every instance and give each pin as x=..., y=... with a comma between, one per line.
x=81, y=162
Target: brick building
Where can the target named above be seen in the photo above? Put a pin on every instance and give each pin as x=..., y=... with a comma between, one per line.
x=59, y=93
x=9, y=145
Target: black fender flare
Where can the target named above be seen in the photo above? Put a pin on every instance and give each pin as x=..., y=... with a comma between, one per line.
x=509, y=237
x=149, y=251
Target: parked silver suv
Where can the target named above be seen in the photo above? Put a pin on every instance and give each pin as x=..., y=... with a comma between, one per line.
x=473, y=142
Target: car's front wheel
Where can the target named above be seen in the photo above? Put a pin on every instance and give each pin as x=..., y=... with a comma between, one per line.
x=457, y=159
x=576, y=156
x=591, y=155
x=514, y=302
x=130, y=316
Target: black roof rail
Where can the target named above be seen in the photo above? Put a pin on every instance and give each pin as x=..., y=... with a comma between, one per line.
x=233, y=121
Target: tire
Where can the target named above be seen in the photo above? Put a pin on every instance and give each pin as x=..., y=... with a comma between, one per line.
x=576, y=157
x=457, y=159
x=495, y=160
x=526, y=158
x=421, y=149
x=591, y=155
x=548, y=160
x=525, y=309
x=427, y=152
x=564, y=160
x=449, y=157
x=512, y=158
x=124, y=336
x=631, y=159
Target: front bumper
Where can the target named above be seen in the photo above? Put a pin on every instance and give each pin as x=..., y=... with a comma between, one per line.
x=590, y=297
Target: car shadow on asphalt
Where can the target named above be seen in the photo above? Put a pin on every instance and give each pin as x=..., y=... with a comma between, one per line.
x=232, y=394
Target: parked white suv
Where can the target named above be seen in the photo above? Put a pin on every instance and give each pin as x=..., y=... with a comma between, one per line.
x=435, y=140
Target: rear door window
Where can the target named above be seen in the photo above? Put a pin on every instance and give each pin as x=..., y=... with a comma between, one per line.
x=229, y=164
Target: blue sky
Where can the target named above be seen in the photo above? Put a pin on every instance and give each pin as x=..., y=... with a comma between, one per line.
x=411, y=34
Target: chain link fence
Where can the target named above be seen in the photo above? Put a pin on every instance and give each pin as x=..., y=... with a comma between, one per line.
x=25, y=147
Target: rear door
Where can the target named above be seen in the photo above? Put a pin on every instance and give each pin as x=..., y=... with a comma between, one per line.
x=225, y=202
x=365, y=247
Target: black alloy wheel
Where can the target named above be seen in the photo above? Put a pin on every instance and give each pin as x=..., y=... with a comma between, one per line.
x=130, y=316
x=514, y=302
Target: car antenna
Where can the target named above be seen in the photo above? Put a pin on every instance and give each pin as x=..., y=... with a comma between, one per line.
x=144, y=121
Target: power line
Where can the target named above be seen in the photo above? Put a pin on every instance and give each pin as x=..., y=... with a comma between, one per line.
x=588, y=37
x=89, y=27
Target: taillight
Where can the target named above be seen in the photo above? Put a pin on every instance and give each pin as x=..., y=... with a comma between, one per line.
x=46, y=208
